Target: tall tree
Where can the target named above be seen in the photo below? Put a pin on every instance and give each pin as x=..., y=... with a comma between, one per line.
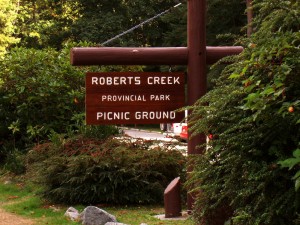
x=8, y=13
x=225, y=19
x=45, y=23
x=102, y=21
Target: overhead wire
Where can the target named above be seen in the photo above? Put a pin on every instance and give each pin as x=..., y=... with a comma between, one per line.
x=139, y=25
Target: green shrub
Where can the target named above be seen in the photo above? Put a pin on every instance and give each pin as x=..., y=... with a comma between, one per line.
x=89, y=171
x=37, y=94
x=253, y=128
x=40, y=93
x=14, y=162
x=91, y=131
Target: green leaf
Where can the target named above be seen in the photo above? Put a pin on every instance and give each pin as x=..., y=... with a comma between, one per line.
x=250, y=88
x=296, y=153
x=296, y=102
x=290, y=163
x=234, y=75
x=268, y=91
x=217, y=148
x=279, y=92
x=297, y=175
x=252, y=97
x=297, y=184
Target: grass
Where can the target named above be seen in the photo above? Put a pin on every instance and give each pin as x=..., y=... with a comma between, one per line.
x=21, y=199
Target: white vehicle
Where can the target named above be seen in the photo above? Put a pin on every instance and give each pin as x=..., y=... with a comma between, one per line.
x=173, y=129
x=176, y=128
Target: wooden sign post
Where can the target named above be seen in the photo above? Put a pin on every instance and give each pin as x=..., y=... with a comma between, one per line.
x=196, y=55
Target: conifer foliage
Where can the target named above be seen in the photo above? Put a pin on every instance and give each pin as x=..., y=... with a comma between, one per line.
x=85, y=170
x=251, y=167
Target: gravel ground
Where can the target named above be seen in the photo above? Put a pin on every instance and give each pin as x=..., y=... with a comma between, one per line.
x=7, y=218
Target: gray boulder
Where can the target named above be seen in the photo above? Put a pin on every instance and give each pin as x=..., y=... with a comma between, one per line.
x=113, y=223
x=72, y=214
x=92, y=215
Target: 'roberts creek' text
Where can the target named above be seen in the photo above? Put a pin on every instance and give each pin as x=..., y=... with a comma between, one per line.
x=127, y=80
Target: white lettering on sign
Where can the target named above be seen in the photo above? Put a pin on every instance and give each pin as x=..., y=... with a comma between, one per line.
x=134, y=98
x=123, y=98
x=155, y=80
x=159, y=97
x=152, y=115
x=116, y=80
x=163, y=80
x=155, y=115
x=113, y=115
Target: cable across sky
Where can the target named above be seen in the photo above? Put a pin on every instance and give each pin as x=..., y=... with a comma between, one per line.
x=139, y=25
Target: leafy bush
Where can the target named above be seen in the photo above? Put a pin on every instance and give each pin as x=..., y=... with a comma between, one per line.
x=40, y=93
x=253, y=115
x=85, y=170
x=37, y=94
x=91, y=131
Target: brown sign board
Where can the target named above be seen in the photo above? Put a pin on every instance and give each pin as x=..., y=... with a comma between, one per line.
x=134, y=97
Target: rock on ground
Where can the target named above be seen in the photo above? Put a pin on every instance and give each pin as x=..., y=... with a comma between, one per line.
x=92, y=215
x=112, y=223
x=72, y=214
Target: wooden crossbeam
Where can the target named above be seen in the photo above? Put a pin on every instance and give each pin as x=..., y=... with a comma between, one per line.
x=84, y=56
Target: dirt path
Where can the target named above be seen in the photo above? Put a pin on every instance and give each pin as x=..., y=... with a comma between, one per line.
x=7, y=218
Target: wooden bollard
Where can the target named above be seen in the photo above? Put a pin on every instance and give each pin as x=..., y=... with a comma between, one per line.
x=172, y=199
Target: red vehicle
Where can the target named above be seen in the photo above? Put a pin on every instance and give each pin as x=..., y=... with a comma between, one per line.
x=184, y=132
x=184, y=135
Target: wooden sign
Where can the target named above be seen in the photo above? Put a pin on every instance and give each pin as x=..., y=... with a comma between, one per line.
x=134, y=97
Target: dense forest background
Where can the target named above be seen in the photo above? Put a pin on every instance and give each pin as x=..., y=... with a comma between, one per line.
x=250, y=172
x=36, y=37
x=43, y=24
